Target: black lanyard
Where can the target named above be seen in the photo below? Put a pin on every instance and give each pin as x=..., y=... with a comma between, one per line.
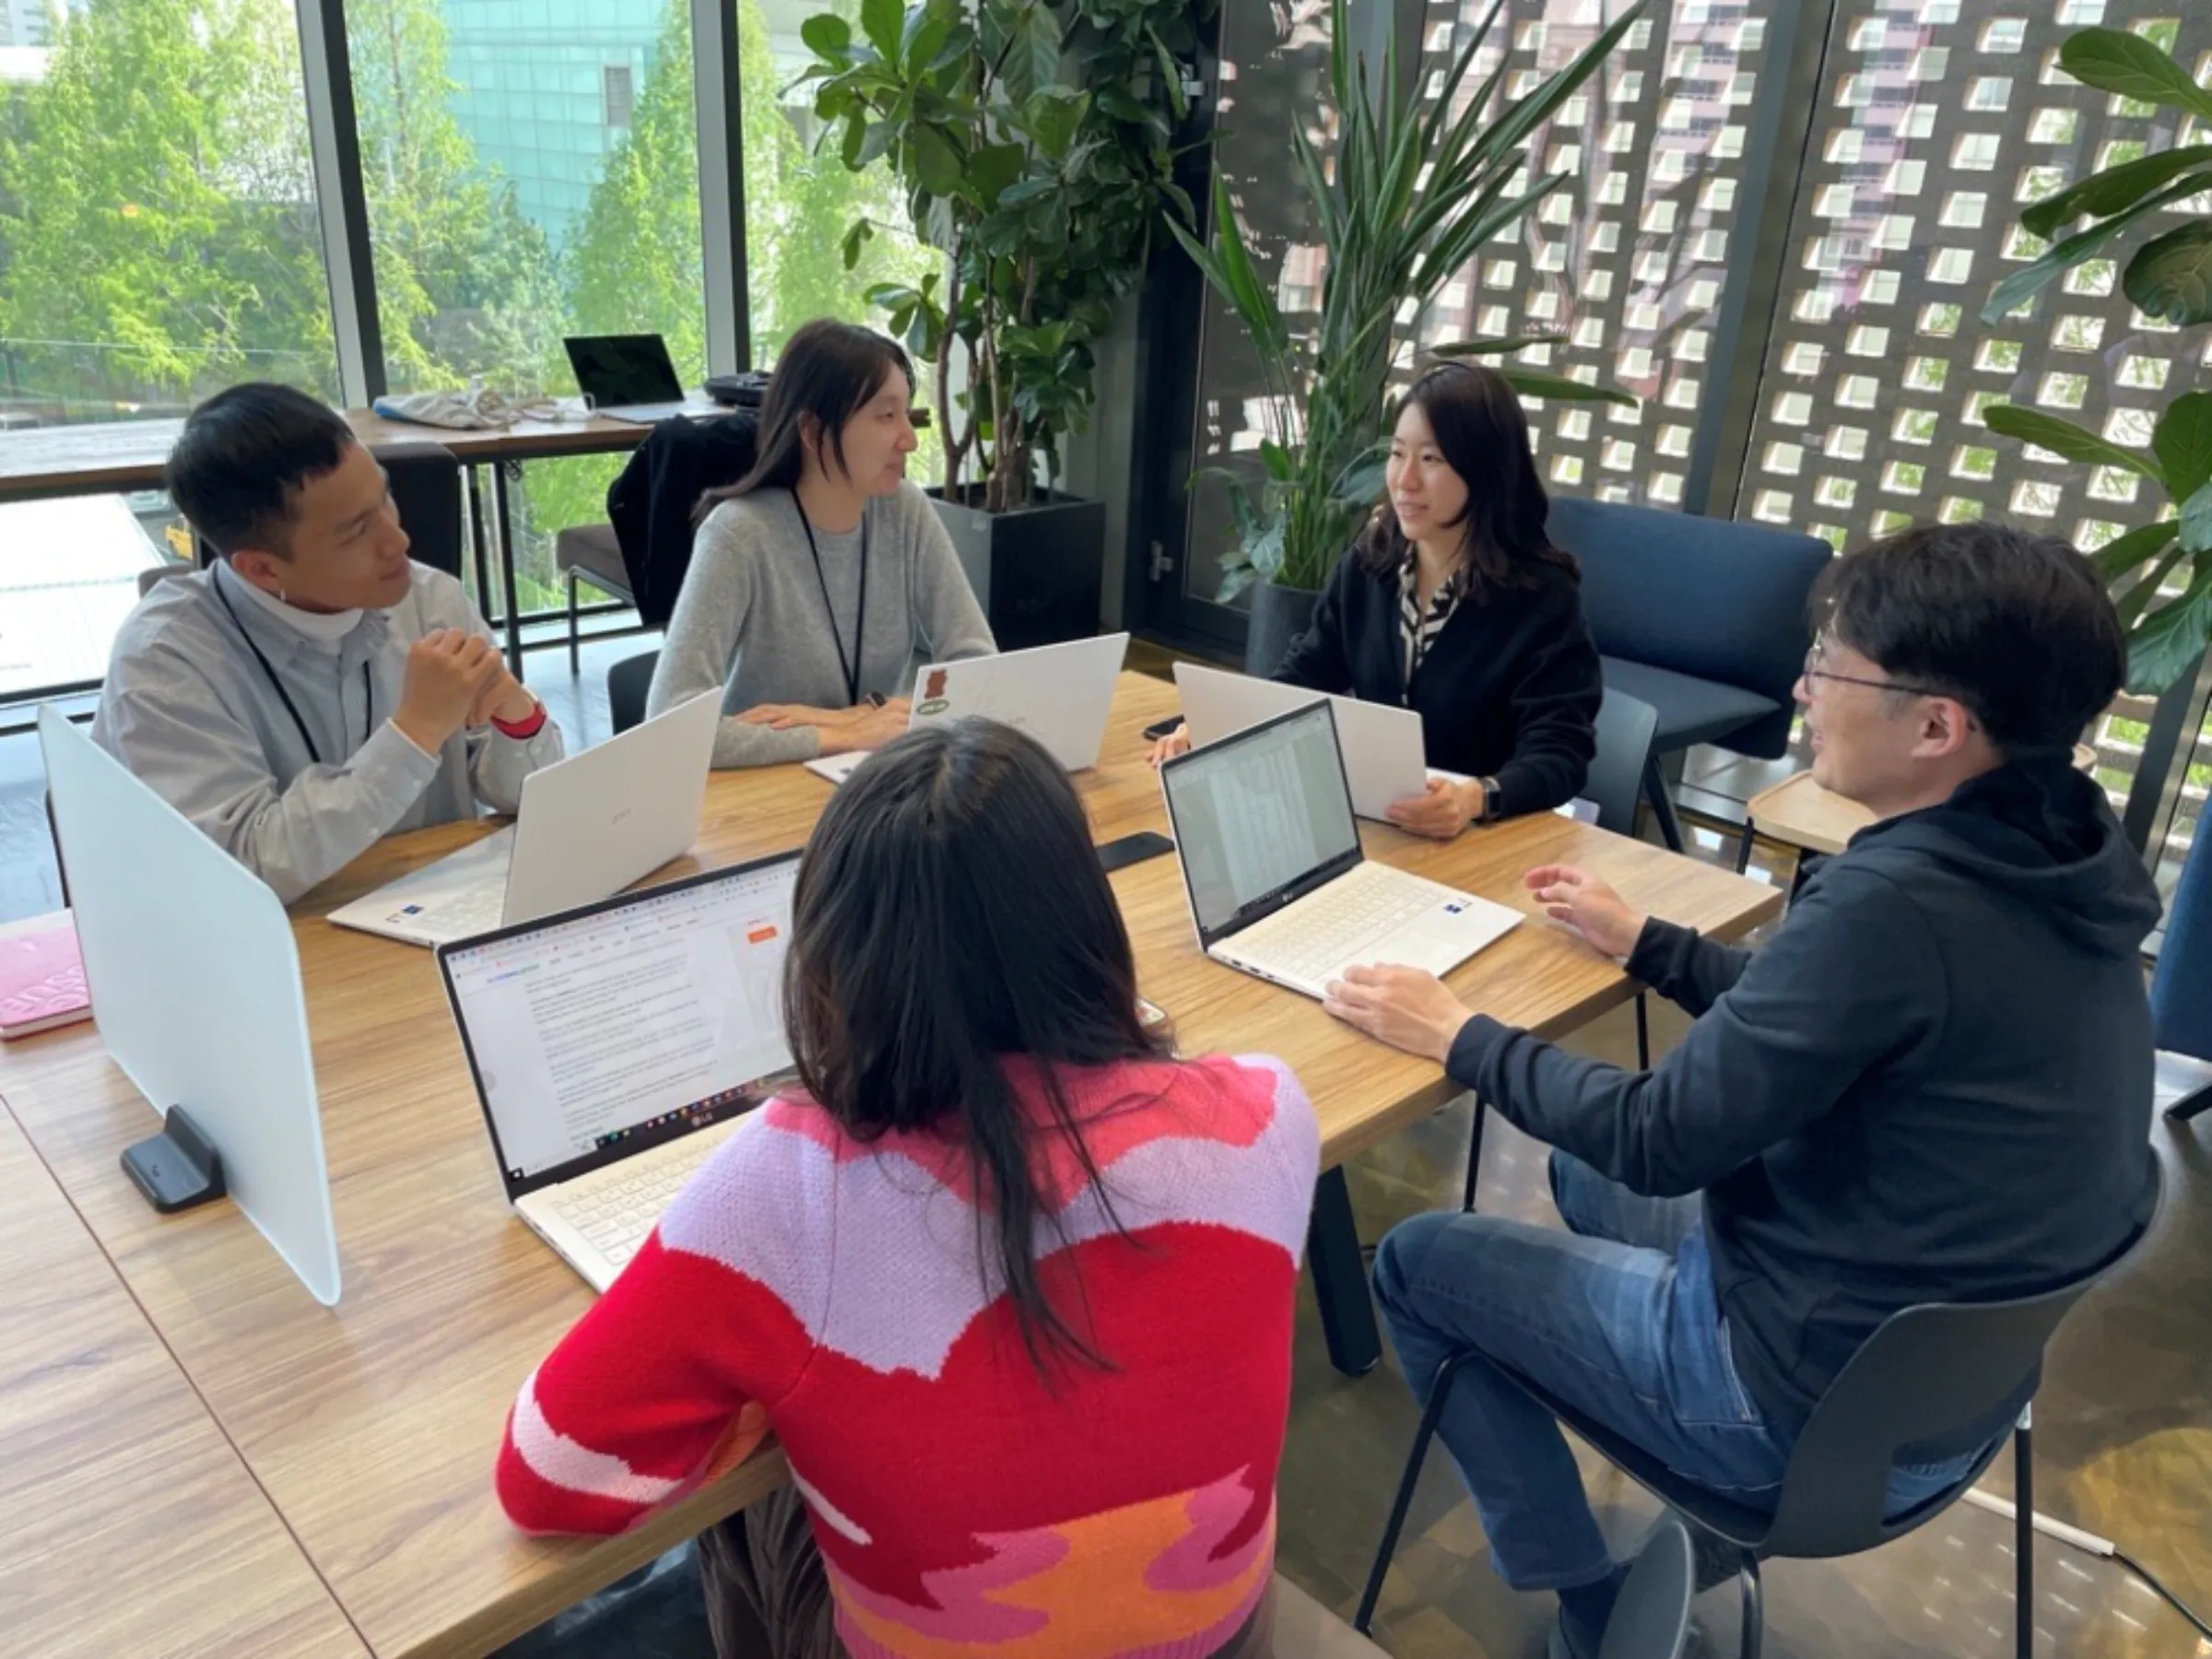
x=368, y=689
x=850, y=667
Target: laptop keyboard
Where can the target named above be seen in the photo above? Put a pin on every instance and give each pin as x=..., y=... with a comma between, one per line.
x=1326, y=930
x=479, y=910
x=617, y=1206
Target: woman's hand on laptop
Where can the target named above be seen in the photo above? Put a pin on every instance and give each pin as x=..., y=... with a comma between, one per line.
x=1589, y=906
x=1442, y=813
x=1403, y=1007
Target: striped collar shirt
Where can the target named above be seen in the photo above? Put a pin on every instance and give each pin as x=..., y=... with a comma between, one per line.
x=1419, y=628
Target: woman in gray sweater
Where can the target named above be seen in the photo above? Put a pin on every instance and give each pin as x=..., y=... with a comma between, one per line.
x=822, y=580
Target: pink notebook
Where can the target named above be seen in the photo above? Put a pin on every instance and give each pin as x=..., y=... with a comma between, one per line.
x=42, y=981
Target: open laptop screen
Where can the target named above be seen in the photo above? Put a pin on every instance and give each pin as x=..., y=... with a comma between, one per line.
x=595, y=1034
x=623, y=369
x=1262, y=816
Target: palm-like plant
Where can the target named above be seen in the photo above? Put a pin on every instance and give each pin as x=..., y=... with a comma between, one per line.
x=2168, y=276
x=1412, y=196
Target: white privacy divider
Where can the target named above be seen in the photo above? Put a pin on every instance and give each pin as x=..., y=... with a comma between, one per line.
x=196, y=985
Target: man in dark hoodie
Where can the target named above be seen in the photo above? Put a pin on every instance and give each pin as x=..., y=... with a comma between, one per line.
x=1934, y=1085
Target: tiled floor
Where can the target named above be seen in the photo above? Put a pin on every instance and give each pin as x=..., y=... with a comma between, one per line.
x=2124, y=1423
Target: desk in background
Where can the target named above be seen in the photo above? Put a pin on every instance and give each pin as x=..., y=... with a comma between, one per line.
x=120, y=457
x=372, y=1426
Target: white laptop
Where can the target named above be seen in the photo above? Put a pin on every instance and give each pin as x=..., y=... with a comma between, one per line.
x=615, y=1047
x=1058, y=694
x=1272, y=865
x=586, y=827
x=1382, y=745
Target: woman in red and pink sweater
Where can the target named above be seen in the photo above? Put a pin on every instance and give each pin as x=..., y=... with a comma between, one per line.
x=1012, y=1286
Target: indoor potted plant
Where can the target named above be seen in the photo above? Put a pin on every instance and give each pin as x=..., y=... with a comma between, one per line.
x=1408, y=196
x=1034, y=141
x=2168, y=275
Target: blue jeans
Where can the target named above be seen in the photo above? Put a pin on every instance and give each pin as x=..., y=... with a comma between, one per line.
x=1618, y=1317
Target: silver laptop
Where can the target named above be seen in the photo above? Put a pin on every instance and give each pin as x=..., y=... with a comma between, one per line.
x=615, y=1047
x=1382, y=745
x=1272, y=865
x=586, y=827
x=1060, y=695
x=628, y=377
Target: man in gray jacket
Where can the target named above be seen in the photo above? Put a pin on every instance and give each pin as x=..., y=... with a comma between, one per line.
x=316, y=689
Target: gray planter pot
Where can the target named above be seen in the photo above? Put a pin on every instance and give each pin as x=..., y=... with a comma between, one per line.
x=1036, y=570
x=1278, y=615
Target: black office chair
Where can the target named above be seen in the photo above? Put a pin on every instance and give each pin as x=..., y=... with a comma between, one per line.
x=425, y=489
x=1702, y=618
x=1615, y=786
x=626, y=684
x=591, y=553
x=1926, y=1374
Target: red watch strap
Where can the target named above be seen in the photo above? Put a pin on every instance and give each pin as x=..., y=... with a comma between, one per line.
x=522, y=729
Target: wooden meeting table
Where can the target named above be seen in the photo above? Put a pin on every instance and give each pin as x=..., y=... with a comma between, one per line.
x=371, y=1426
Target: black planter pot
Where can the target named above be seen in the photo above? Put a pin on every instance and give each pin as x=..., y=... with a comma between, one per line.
x=1036, y=570
x=1278, y=615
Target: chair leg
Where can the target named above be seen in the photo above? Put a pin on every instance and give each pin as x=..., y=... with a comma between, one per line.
x=1743, y=850
x=2190, y=1106
x=1439, y=1391
x=1755, y=1610
x=2023, y=1536
x=1643, y=1033
x=1663, y=804
x=574, y=668
x=1466, y=1201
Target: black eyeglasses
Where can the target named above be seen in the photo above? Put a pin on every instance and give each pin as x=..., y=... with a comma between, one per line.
x=1812, y=671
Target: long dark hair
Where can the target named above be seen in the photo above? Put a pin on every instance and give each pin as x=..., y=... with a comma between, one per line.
x=1483, y=434
x=951, y=914
x=828, y=369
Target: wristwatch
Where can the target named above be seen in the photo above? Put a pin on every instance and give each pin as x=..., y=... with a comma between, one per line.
x=1489, y=814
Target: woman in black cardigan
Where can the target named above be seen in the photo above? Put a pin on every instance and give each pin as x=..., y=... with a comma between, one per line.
x=1453, y=603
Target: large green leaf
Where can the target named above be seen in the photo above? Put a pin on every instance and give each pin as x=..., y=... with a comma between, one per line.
x=1051, y=117
x=2112, y=60
x=1033, y=57
x=993, y=168
x=2131, y=604
x=2113, y=189
x=828, y=36
x=2172, y=278
x=2172, y=638
x=2126, y=553
x=2064, y=437
x=2182, y=442
x=2033, y=277
x=2196, y=520
x=1536, y=382
x=936, y=164
x=883, y=21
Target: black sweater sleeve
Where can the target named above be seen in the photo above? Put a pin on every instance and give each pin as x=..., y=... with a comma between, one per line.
x=1854, y=980
x=1319, y=660
x=1556, y=694
x=1685, y=967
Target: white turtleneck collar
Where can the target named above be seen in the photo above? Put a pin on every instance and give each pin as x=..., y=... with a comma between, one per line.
x=325, y=630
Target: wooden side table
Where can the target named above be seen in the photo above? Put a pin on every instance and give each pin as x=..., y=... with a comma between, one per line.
x=1798, y=813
